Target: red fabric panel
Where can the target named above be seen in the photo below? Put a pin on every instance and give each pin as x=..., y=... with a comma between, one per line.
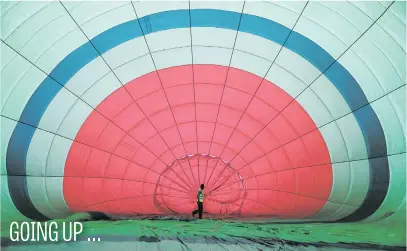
x=148, y=151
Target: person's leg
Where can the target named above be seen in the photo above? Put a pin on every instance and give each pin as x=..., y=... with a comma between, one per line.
x=195, y=211
x=200, y=207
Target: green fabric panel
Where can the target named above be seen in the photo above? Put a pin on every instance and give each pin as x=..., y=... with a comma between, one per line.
x=395, y=139
x=9, y=212
x=7, y=127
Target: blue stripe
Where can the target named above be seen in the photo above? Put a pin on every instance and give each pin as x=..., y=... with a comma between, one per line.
x=306, y=48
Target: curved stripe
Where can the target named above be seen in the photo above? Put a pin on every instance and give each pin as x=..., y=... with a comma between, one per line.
x=337, y=74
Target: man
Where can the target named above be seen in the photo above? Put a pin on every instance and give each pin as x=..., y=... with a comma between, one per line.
x=200, y=199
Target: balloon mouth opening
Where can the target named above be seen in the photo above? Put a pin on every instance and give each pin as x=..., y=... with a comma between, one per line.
x=177, y=187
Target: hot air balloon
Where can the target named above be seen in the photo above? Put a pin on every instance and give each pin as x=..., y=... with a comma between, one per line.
x=287, y=111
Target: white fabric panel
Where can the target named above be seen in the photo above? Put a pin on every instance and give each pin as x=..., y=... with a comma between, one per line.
x=17, y=15
x=57, y=156
x=135, y=69
x=314, y=107
x=87, y=76
x=24, y=32
x=57, y=110
x=211, y=55
x=330, y=96
x=344, y=211
x=341, y=182
x=72, y=4
x=298, y=66
x=324, y=38
x=395, y=137
x=89, y=10
x=285, y=80
x=213, y=37
x=12, y=74
x=101, y=89
x=54, y=189
x=74, y=120
x=349, y=12
x=5, y=6
x=394, y=26
x=7, y=55
x=235, y=6
x=326, y=212
x=37, y=190
x=399, y=10
x=58, y=51
x=350, y=185
x=398, y=100
x=363, y=74
x=271, y=11
x=394, y=53
x=55, y=32
x=173, y=57
x=145, y=8
x=250, y=63
x=371, y=9
x=295, y=6
x=22, y=92
x=333, y=211
x=7, y=128
x=168, y=39
x=329, y=20
x=38, y=153
x=353, y=137
x=359, y=185
x=377, y=62
x=385, y=3
x=256, y=45
x=108, y=19
x=46, y=157
x=126, y=52
x=335, y=142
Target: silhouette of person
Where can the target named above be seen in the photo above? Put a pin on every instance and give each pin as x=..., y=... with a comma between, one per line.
x=200, y=199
